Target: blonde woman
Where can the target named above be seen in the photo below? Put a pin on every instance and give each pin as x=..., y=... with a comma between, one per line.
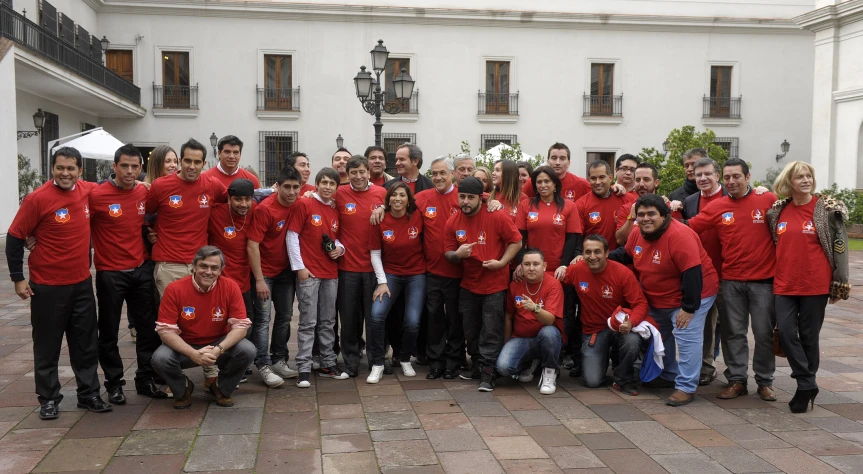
x=483, y=174
x=162, y=162
x=811, y=241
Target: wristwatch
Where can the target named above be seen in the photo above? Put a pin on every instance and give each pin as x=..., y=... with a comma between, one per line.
x=536, y=309
x=221, y=349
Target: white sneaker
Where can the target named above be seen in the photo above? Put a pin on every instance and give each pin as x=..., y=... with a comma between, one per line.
x=375, y=376
x=526, y=375
x=270, y=379
x=547, y=384
x=408, y=369
x=282, y=370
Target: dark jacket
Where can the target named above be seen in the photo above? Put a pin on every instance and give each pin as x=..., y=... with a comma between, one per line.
x=681, y=193
x=690, y=204
x=423, y=183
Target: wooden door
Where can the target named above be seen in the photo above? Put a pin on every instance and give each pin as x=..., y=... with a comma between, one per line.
x=497, y=87
x=120, y=61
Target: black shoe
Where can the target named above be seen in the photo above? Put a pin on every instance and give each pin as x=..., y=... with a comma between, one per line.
x=95, y=404
x=474, y=374
x=115, y=396
x=49, y=410
x=388, y=367
x=575, y=371
x=352, y=372
x=802, y=399
x=434, y=374
x=150, y=389
x=422, y=360
x=450, y=374
x=464, y=366
x=487, y=380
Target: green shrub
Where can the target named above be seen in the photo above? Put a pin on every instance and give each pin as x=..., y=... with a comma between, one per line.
x=28, y=178
x=680, y=140
x=852, y=199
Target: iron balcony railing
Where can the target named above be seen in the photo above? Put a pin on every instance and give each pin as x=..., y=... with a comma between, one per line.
x=48, y=45
x=497, y=104
x=603, y=105
x=413, y=105
x=722, y=107
x=175, y=97
x=287, y=100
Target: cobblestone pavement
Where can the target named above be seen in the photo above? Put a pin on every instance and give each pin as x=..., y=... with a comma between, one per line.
x=417, y=425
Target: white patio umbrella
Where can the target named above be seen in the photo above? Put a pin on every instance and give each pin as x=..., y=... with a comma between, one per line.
x=495, y=152
x=97, y=144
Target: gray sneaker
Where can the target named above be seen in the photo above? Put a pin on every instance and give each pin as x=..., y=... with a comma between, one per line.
x=282, y=369
x=270, y=379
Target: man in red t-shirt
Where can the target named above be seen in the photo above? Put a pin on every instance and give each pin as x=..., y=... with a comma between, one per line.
x=680, y=284
x=533, y=329
x=302, y=164
x=314, y=248
x=355, y=204
x=377, y=158
x=339, y=160
x=598, y=209
x=123, y=274
x=483, y=243
x=445, y=336
x=572, y=187
x=202, y=322
x=275, y=281
x=228, y=168
x=604, y=288
x=646, y=182
x=57, y=214
x=182, y=202
x=748, y=264
x=707, y=176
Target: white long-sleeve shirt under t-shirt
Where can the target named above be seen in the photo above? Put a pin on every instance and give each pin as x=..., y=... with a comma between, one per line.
x=292, y=240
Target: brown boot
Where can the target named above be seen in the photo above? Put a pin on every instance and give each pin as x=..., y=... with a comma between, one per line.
x=221, y=399
x=186, y=400
x=732, y=390
x=679, y=398
x=766, y=393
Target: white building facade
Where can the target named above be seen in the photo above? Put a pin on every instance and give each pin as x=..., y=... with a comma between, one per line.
x=605, y=77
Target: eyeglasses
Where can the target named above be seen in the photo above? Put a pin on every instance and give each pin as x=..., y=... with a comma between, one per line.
x=626, y=168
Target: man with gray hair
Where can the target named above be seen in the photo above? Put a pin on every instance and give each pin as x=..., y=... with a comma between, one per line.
x=689, y=187
x=202, y=321
x=463, y=166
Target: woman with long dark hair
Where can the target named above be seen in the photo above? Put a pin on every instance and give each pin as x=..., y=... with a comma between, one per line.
x=811, y=241
x=399, y=263
x=505, y=186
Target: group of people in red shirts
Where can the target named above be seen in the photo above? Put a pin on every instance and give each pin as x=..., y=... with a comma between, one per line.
x=547, y=266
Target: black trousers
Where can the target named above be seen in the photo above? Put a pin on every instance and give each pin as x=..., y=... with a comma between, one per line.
x=445, y=334
x=355, y=309
x=69, y=310
x=483, y=321
x=135, y=288
x=799, y=319
x=571, y=324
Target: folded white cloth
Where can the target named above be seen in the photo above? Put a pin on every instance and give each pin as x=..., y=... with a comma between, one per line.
x=646, y=331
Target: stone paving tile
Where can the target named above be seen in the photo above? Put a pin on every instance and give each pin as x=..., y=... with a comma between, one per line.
x=221, y=452
x=549, y=436
x=497, y=426
x=470, y=462
x=653, y=438
x=350, y=426
x=588, y=425
x=455, y=440
x=471, y=396
x=397, y=420
x=289, y=460
x=704, y=438
x=515, y=447
x=851, y=411
x=627, y=412
x=445, y=421
x=150, y=442
x=436, y=406
x=32, y=439
x=751, y=436
x=689, y=463
x=598, y=396
x=405, y=453
x=712, y=415
x=484, y=409
x=146, y=464
x=599, y=441
x=334, y=412
x=738, y=460
x=820, y=443
x=567, y=408
x=412, y=470
x=290, y=404
x=428, y=395
x=290, y=431
x=79, y=455
x=679, y=421
x=169, y=420
x=366, y=390
x=574, y=457
x=17, y=414
x=535, y=418
x=422, y=384
x=338, y=398
x=773, y=420
x=20, y=462
x=349, y=463
x=847, y=464
x=236, y=421
x=629, y=461
x=398, y=435
x=349, y=443
x=519, y=402
x=544, y=466
x=794, y=461
x=384, y=403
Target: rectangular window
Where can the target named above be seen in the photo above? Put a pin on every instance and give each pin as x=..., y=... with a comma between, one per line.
x=601, y=88
x=497, y=87
x=392, y=69
x=278, y=82
x=175, y=80
x=391, y=143
x=50, y=132
x=274, y=148
x=731, y=145
x=720, y=91
x=120, y=61
x=606, y=156
x=490, y=141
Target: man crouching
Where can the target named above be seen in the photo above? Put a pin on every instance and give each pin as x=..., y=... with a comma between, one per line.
x=202, y=321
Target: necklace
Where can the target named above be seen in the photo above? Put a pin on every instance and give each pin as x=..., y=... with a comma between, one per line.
x=537, y=290
x=232, y=220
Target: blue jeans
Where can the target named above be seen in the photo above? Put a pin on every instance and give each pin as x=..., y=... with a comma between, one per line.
x=594, y=359
x=282, y=298
x=519, y=352
x=688, y=342
x=414, y=287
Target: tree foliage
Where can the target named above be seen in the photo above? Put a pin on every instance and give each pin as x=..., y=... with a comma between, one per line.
x=28, y=178
x=513, y=153
x=853, y=201
x=680, y=140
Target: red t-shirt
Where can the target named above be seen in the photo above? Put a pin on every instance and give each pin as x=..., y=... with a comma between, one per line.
x=802, y=269
x=601, y=293
x=378, y=181
x=626, y=208
x=599, y=215
x=201, y=317
x=227, y=179
x=355, y=210
x=436, y=208
x=230, y=237
x=710, y=237
x=511, y=209
x=572, y=187
x=661, y=262
x=184, y=210
x=268, y=229
x=311, y=219
x=748, y=252
x=401, y=244
x=306, y=188
x=117, y=218
x=549, y=297
x=547, y=228
x=493, y=232
x=60, y=222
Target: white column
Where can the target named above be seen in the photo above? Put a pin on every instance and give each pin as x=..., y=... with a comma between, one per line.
x=823, y=106
x=8, y=137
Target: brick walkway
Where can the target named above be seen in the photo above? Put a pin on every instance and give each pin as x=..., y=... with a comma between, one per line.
x=417, y=425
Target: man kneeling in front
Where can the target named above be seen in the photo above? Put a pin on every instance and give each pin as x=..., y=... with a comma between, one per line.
x=202, y=321
x=533, y=329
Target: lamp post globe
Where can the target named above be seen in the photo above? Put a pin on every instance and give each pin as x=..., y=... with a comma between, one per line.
x=404, y=85
x=363, y=83
x=785, y=146
x=379, y=57
x=340, y=141
x=39, y=119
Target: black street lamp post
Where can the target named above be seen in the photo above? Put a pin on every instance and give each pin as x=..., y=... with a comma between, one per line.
x=214, y=140
x=340, y=141
x=371, y=95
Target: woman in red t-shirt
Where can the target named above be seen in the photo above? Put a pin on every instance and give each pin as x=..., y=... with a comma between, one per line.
x=483, y=174
x=399, y=263
x=505, y=186
x=811, y=241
